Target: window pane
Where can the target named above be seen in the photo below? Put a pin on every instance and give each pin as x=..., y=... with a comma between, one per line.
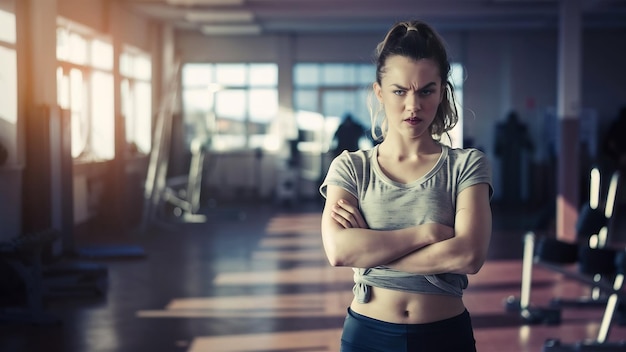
x=143, y=117
x=361, y=111
x=197, y=75
x=63, y=44
x=101, y=54
x=142, y=68
x=8, y=85
x=79, y=133
x=127, y=100
x=127, y=110
x=338, y=74
x=306, y=99
x=231, y=104
x=77, y=90
x=78, y=49
x=263, y=104
x=231, y=74
x=366, y=75
x=77, y=101
x=7, y=27
x=263, y=75
x=137, y=112
x=63, y=89
x=197, y=101
x=306, y=74
x=102, y=116
x=338, y=102
x=126, y=64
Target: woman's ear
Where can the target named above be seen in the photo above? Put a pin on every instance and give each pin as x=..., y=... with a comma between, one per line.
x=378, y=92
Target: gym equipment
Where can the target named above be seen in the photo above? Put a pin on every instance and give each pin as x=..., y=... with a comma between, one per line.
x=183, y=193
x=617, y=295
x=556, y=255
x=26, y=279
x=22, y=287
x=288, y=175
x=64, y=275
x=555, y=345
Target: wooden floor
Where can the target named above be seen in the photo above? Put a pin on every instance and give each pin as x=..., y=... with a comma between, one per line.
x=254, y=278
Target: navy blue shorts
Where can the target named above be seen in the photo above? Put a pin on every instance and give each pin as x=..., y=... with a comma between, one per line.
x=364, y=334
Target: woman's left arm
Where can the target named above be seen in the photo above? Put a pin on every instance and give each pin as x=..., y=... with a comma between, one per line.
x=465, y=253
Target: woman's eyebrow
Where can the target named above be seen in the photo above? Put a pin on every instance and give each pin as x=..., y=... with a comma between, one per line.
x=394, y=85
x=429, y=85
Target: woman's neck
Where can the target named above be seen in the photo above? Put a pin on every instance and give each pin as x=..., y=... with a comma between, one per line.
x=400, y=149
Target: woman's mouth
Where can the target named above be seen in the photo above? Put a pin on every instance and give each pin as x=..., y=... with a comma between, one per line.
x=413, y=120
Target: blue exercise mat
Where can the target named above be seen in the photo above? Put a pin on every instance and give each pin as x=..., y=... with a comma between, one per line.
x=111, y=251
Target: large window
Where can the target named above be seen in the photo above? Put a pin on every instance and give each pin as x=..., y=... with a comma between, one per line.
x=233, y=105
x=136, y=91
x=85, y=87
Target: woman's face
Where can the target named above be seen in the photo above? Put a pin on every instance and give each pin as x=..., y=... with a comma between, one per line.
x=410, y=92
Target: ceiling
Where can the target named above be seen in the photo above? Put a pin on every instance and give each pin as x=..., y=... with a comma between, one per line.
x=222, y=17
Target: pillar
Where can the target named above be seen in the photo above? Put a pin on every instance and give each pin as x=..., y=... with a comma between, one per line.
x=568, y=112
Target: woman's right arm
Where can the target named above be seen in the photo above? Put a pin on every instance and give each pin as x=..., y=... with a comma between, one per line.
x=349, y=242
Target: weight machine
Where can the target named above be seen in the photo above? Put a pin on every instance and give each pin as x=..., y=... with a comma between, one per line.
x=598, y=265
x=182, y=193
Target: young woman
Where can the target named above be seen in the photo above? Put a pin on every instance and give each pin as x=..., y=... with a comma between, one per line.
x=411, y=216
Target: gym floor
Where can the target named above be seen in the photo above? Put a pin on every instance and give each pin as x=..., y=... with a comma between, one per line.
x=254, y=278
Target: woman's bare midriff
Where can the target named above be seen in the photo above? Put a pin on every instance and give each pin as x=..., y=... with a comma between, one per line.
x=408, y=308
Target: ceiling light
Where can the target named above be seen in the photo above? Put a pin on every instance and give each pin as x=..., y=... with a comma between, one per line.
x=220, y=16
x=231, y=30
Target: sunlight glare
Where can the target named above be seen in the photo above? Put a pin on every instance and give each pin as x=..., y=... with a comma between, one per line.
x=8, y=85
x=312, y=340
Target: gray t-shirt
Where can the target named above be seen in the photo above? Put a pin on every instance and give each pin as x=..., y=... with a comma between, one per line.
x=388, y=205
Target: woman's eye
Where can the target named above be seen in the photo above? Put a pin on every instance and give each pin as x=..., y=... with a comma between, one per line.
x=399, y=92
x=426, y=92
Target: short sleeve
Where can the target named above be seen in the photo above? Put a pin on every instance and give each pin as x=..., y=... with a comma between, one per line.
x=476, y=169
x=341, y=173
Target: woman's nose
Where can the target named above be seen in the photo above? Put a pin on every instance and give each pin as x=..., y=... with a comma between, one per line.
x=413, y=103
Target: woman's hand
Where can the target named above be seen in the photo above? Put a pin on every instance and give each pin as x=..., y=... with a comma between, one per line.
x=347, y=215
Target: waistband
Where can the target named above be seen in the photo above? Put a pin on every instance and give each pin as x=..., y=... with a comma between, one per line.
x=458, y=321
